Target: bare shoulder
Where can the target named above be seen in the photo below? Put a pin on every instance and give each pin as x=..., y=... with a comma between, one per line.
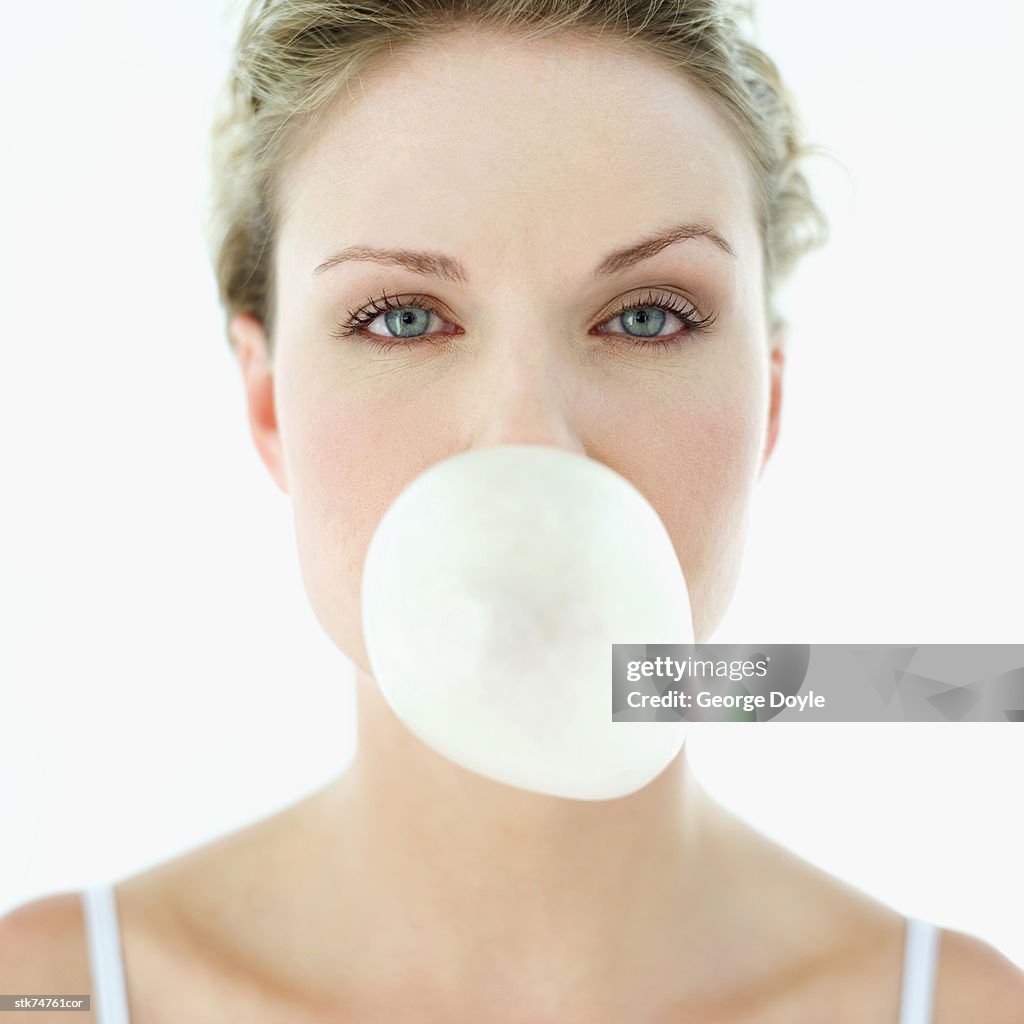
x=43, y=950
x=44, y=947
x=974, y=981
x=44, y=938
x=849, y=949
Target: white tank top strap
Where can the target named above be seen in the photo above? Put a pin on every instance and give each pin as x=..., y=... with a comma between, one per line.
x=920, y=957
x=103, y=937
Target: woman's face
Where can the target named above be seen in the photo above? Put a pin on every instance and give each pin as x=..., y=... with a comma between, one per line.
x=517, y=168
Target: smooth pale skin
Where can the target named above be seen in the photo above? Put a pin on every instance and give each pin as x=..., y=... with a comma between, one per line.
x=408, y=889
x=493, y=590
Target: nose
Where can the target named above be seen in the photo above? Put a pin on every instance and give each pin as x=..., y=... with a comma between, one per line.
x=533, y=397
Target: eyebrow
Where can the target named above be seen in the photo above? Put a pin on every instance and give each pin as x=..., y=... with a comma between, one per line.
x=436, y=264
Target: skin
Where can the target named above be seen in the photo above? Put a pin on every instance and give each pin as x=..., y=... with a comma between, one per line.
x=491, y=898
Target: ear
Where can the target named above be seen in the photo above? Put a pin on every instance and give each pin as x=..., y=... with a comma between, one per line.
x=777, y=361
x=250, y=343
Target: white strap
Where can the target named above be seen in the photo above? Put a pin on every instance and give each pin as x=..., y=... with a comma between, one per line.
x=109, y=996
x=919, y=963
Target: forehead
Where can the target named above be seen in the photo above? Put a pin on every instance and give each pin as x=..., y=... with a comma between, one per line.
x=480, y=142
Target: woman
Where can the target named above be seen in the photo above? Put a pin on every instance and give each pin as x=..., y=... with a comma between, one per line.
x=443, y=226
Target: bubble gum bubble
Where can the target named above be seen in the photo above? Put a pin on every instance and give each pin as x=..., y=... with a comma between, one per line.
x=493, y=589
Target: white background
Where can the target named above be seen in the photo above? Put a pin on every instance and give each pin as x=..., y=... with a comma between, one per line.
x=162, y=677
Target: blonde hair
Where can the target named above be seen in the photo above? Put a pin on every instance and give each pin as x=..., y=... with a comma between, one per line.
x=293, y=57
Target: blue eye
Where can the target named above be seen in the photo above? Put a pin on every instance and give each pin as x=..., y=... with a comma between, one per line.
x=647, y=317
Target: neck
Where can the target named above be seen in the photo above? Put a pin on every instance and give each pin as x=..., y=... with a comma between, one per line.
x=472, y=890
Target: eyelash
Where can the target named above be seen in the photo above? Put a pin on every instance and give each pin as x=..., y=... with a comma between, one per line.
x=694, y=324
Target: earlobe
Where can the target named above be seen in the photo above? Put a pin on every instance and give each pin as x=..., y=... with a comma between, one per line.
x=776, y=365
x=250, y=343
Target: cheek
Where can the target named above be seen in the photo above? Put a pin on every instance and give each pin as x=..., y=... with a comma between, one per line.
x=699, y=471
x=347, y=463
